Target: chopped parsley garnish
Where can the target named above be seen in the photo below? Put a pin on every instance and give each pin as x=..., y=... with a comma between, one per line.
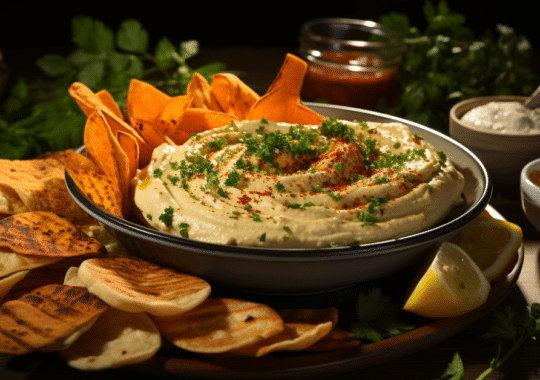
x=158, y=173
x=167, y=216
x=222, y=193
x=380, y=180
x=184, y=230
x=368, y=217
x=233, y=179
x=219, y=143
x=339, y=166
x=173, y=179
x=256, y=217
x=442, y=157
x=280, y=187
x=262, y=237
x=397, y=145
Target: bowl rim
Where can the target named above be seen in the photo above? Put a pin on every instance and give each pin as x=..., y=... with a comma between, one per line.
x=454, y=119
x=433, y=234
x=527, y=186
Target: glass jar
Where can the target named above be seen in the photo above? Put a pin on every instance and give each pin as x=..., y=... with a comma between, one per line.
x=350, y=62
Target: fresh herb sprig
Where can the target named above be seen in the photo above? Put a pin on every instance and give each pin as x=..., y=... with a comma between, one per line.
x=506, y=330
x=377, y=317
x=39, y=117
x=446, y=63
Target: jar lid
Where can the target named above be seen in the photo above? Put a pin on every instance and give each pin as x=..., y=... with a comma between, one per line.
x=351, y=36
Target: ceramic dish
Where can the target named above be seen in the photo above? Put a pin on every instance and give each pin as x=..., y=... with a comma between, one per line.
x=530, y=193
x=305, y=271
x=503, y=155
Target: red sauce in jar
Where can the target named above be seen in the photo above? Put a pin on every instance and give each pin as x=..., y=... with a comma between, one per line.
x=342, y=86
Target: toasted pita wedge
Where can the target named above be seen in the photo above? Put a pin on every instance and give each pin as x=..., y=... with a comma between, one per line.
x=118, y=338
x=94, y=184
x=232, y=95
x=8, y=282
x=302, y=329
x=12, y=262
x=44, y=233
x=337, y=339
x=136, y=285
x=220, y=325
x=46, y=317
x=281, y=102
x=36, y=185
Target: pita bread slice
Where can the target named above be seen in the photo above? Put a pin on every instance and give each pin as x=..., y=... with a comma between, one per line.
x=337, y=339
x=11, y=262
x=220, y=325
x=46, y=317
x=36, y=185
x=118, y=338
x=302, y=329
x=136, y=285
x=45, y=233
x=6, y=283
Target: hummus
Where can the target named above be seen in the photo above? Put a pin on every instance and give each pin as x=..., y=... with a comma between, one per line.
x=266, y=184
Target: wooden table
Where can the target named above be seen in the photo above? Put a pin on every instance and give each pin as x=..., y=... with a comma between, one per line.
x=258, y=71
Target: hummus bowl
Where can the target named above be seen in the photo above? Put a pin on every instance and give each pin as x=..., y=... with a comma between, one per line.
x=296, y=271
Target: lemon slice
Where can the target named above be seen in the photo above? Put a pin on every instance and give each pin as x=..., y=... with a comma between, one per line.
x=449, y=284
x=492, y=243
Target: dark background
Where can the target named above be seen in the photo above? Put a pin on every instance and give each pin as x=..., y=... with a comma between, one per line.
x=29, y=30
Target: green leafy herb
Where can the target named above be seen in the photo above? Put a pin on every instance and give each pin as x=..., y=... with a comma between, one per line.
x=40, y=117
x=377, y=317
x=446, y=63
x=506, y=330
x=167, y=216
x=184, y=230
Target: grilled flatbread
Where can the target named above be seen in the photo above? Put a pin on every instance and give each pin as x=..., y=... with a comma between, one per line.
x=136, y=285
x=46, y=317
x=220, y=325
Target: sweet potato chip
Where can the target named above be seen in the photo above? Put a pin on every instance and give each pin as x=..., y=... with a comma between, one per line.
x=131, y=148
x=36, y=185
x=93, y=183
x=144, y=102
x=172, y=114
x=198, y=89
x=47, y=234
x=220, y=325
x=232, y=95
x=198, y=120
x=302, y=329
x=103, y=148
x=47, y=316
x=108, y=101
x=89, y=102
x=281, y=102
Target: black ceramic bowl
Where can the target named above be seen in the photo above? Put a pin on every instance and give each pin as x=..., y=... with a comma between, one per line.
x=305, y=271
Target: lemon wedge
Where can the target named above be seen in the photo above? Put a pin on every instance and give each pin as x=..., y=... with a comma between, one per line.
x=492, y=243
x=449, y=284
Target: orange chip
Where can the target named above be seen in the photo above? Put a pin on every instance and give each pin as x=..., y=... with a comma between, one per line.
x=281, y=102
x=173, y=113
x=93, y=183
x=199, y=91
x=44, y=233
x=109, y=102
x=103, y=148
x=144, y=102
x=198, y=120
x=232, y=95
x=131, y=148
x=89, y=102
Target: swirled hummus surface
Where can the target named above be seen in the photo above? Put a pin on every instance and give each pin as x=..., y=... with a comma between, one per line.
x=267, y=184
